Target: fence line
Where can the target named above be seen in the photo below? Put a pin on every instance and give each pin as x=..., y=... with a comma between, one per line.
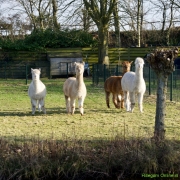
x=101, y=72
x=21, y=70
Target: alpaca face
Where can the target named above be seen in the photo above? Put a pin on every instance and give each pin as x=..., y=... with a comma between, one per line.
x=139, y=63
x=126, y=66
x=79, y=68
x=35, y=74
x=139, y=66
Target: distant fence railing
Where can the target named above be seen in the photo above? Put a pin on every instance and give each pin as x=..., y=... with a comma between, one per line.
x=22, y=70
x=101, y=72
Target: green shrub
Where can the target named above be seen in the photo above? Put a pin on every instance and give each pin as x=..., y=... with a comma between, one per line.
x=49, y=38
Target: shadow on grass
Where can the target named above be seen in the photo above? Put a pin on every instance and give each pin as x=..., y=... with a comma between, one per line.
x=49, y=111
x=112, y=110
x=60, y=110
x=116, y=158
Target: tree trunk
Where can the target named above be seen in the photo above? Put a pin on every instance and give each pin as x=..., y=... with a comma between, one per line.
x=170, y=24
x=141, y=28
x=160, y=106
x=100, y=12
x=162, y=62
x=167, y=37
x=103, y=43
x=86, y=20
x=41, y=23
x=139, y=23
x=116, y=25
x=55, y=9
x=33, y=21
x=164, y=19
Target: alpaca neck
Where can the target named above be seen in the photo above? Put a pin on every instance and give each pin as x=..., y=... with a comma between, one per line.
x=79, y=80
x=139, y=75
x=36, y=84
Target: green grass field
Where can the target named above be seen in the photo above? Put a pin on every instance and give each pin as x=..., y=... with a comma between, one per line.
x=102, y=144
x=98, y=122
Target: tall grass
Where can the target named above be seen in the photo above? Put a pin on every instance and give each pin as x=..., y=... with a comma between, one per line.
x=79, y=159
x=102, y=144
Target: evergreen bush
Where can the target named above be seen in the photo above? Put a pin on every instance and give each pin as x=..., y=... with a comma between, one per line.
x=49, y=38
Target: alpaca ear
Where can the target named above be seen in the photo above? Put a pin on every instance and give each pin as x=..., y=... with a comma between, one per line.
x=83, y=63
x=131, y=62
x=40, y=69
x=32, y=70
x=75, y=63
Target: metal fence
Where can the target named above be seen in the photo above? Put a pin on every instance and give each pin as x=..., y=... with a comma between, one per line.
x=101, y=72
x=22, y=70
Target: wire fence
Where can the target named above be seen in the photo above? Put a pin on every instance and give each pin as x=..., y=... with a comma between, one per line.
x=22, y=70
x=101, y=72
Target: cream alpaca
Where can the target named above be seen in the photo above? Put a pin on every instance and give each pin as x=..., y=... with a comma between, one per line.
x=75, y=88
x=37, y=91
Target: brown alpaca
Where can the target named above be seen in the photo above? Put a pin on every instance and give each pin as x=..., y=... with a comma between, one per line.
x=113, y=85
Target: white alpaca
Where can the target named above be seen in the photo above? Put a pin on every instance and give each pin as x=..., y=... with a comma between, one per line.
x=133, y=83
x=37, y=91
x=75, y=88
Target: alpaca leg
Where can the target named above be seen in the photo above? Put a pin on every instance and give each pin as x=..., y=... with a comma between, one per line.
x=114, y=99
x=39, y=105
x=119, y=98
x=107, y=98
x=68, y=109
x=126, y=99
x=128, y=102
x=122, y=100
x=132, y=100
x=72, y=105
x=140, y=100
x=33, y=104
x=80, y=102
x=42, y=105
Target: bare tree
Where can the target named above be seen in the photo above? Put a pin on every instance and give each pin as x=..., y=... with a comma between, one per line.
x=167, y=10
x=14, y=26
x=170, y=22
x=41, y=13
x=100, y=11
x=86, y=20
x=116, y=24
x=133, y=15
x=176, y=3
x=139, y=22
x=27, y=7
x=128, y=17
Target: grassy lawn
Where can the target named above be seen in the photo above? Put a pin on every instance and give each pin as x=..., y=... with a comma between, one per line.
x=98, y=122
x=102, y=144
